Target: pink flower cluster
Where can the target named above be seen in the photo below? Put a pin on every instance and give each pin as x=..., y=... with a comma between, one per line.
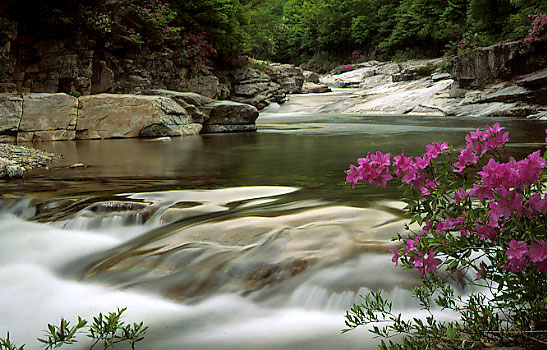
x=374, y=168
x=423, y=262
x=520, y=254
x=506, y=191
x=538, y=30
x=346, y=68
x=478, y=143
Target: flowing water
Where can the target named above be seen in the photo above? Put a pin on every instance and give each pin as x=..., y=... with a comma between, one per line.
x=228, y=241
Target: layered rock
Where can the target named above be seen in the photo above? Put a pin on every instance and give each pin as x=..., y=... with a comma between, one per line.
x=256, y=88
x=159, y=113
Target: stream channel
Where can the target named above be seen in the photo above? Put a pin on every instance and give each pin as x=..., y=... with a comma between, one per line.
x=219, y=241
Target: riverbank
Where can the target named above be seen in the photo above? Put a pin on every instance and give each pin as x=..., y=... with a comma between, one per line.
x=16, y=160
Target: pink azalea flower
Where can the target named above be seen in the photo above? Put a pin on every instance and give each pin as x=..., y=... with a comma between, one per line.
x=431, y=262
x=516, y=250
x=538, y=251
x=396, y=256
x=380, y=159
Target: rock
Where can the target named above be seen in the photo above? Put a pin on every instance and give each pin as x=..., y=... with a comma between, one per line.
x=480, y=66
x=516, y=93
x=254, y=87
x=15, y=160
x=206, y=85
x=8, y=87
x=216, y=116
x=77, y=165
x=541, y=115
x=398, y=98
x=312, y=88
x=456, y=91
x=440, y=76
x=534, y=81
x=11, y=112
x=120, y=116
x=402, y=77
x=229, y=116
x=48, y=117
x=194, y=104
x=310, y=77
x=348, y=79
x=494, y=109
x=289, y=77
x=103, y=79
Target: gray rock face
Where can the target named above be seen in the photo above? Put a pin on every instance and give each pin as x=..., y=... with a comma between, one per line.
x=216, y=116
x=256, y=88
x=103, y=81
x=477, y=67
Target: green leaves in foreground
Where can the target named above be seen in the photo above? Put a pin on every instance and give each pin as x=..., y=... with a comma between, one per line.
x=108, y=329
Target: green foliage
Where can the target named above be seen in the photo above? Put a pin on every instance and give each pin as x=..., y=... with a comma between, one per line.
x=108, y=329
x=6, y=344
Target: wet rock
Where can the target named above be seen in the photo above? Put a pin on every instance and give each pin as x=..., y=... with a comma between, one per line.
x=229, y=116
x=216, y=116
x=516, y=93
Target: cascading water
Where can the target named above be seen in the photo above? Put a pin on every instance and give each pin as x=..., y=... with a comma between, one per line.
x=236, y=241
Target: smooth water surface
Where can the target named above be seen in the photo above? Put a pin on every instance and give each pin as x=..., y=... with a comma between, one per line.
x=224, y=241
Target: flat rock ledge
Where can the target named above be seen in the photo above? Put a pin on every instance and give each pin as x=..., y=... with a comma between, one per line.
x=16, y=160
x=151, y=114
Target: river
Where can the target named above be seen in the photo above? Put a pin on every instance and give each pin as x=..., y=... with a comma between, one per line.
x=220, y=241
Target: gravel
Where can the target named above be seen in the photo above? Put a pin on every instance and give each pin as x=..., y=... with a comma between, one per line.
x=15, y=160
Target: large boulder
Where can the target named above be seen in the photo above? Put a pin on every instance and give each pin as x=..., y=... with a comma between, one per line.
x=120, y=116
x=229, y=116
x=48, y=117
x=254, y=87
x=484, y=65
